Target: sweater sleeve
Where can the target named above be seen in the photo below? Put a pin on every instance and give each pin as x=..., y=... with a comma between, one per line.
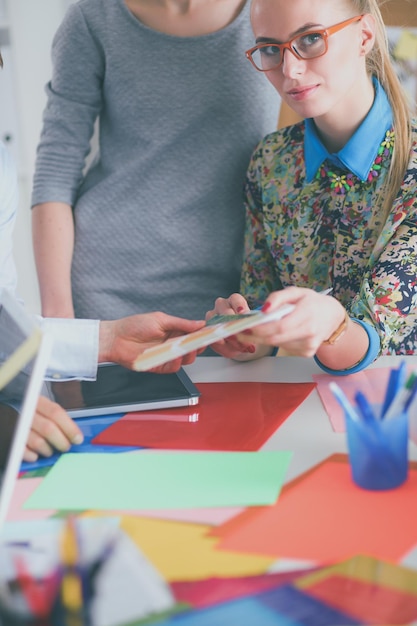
x=73, y=104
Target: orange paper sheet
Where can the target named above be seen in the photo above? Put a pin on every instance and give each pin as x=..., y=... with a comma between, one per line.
x=323, y=517
x=231, y=416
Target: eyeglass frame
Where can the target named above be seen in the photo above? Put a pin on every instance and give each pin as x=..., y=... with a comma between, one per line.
x=325, y=32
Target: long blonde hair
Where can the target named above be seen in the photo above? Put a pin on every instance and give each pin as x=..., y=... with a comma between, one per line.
x=379, y=64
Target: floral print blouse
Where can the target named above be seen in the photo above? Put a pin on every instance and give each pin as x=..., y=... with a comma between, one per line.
x=330, y=233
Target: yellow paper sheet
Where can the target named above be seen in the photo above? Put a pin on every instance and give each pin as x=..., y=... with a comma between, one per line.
x=182, y=551
x=369, y=570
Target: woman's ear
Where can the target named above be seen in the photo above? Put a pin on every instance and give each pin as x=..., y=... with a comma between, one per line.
x=367, y=33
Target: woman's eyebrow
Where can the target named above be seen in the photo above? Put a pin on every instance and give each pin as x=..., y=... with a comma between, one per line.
x=303, y=29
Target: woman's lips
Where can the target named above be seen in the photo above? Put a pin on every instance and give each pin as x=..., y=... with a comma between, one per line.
x=301, y=93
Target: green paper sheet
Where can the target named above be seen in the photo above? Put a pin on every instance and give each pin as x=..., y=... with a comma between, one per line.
x=161, y=480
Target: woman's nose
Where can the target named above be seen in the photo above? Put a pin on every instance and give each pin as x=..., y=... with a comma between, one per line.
x=292, y=65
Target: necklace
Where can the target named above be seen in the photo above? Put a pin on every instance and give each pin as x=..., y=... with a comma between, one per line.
x=341, y=183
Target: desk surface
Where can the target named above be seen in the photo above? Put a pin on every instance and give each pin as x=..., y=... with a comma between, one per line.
x=307, y=432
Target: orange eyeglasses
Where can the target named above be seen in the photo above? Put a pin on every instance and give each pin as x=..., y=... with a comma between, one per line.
x=309, y=45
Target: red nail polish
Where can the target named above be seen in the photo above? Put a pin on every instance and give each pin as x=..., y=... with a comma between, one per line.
x=265, y=307
x=239, y=309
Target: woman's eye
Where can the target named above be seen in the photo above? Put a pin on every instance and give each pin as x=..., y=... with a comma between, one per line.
x=310, y=39
x=269, y=51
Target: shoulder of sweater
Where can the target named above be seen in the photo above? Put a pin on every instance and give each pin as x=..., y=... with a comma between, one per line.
x=86, y=22
x=93, y=11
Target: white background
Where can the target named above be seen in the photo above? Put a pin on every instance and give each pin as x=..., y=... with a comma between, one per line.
x=29, y=25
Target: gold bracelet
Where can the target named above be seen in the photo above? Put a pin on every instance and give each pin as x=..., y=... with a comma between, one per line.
x=335, y=336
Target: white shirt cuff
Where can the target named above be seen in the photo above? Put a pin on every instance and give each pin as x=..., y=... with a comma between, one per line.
x=75, y=348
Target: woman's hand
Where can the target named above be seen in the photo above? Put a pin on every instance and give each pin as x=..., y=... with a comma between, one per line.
x=234, y=304
x=314, y=318
x=232, y=347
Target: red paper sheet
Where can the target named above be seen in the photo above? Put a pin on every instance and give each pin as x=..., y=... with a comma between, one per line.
x=203, y=593
x=366, y=601
x=231, y=416
x=324, y=517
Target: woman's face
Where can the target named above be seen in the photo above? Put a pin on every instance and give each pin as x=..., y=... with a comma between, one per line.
x=316, y=87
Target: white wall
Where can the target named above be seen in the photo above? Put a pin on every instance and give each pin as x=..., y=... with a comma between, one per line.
x=31, y=25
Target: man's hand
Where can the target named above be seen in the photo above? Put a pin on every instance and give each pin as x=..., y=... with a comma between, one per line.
x=52, y=429
x=121, y=341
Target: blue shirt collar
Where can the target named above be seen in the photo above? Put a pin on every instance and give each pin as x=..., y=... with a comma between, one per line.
x=359, y=154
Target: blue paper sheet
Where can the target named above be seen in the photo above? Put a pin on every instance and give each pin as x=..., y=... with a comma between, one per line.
x=90, y=427
x=283, y=606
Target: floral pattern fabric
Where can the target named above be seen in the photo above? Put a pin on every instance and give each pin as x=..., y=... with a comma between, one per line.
x=311, y=235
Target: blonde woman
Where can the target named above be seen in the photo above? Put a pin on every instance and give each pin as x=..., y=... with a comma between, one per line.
x=331, y=201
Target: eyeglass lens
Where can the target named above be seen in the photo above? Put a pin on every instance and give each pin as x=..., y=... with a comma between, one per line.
x=306, y=46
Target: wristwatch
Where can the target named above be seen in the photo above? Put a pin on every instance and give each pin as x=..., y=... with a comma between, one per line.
x=335, y=336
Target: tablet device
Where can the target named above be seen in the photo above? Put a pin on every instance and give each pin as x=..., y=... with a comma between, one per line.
x=120, y=390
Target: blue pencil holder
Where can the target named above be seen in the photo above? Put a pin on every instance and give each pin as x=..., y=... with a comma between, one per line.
x=378, y=451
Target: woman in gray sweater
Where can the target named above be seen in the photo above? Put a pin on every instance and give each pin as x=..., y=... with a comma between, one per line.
x=156, y=222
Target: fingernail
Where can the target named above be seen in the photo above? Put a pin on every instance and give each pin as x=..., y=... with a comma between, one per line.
x=251, y=349
x=30, y=456
x=248, y=331
x=265, y=307
x=239, y=309
x=77, y=439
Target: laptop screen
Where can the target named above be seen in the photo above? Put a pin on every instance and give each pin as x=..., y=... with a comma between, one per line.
x=15, y=376
x=23, y=357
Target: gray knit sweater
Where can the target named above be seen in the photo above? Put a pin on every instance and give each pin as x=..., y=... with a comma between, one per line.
x=159, y=217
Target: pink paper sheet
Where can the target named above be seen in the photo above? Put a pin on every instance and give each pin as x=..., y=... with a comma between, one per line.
x=212, y=517
x=23, y=489
x=372, y=382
